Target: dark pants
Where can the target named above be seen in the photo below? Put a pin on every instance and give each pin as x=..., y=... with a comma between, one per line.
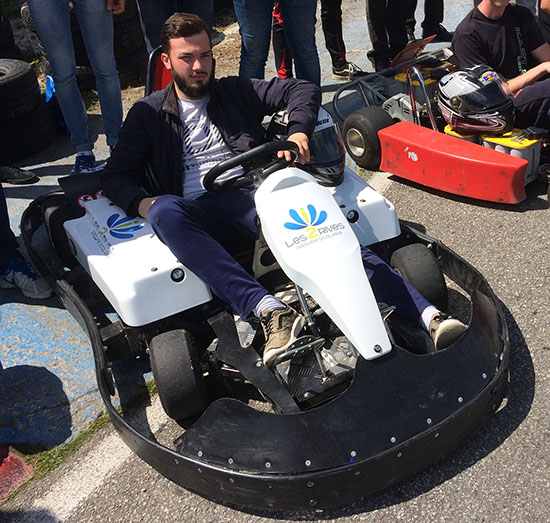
x=8, y=243
x=386, y=22
x=532, y=105
x=155, y=12
x=433, y=15
x=331, y=20
x=206, y=233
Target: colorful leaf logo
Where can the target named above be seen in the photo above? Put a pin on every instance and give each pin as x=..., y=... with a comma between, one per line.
x=305, y=219
x=121, y=228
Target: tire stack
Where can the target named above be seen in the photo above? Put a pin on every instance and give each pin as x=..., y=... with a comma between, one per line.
x=8, y=49
x=27, y=123
x=129, y=47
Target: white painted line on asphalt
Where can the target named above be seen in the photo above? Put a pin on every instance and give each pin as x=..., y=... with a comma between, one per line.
x=91, y=471
x=379, y=181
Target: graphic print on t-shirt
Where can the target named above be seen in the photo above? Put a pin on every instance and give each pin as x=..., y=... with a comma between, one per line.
x=203, y=146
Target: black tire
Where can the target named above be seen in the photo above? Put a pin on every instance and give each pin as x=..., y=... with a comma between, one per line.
x=177, y=372
x=28, y=134
x=19, y=89
x=127, y=39
x=418, y=265
x=6, y=34
x=130, y=11
x=361, y=135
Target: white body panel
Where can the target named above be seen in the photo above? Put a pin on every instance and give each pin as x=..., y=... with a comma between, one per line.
x=316, y=247
x=131, y=266
x=377, y=216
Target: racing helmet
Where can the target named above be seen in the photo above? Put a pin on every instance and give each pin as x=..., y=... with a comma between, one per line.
x=327, y=154
x=475, y=100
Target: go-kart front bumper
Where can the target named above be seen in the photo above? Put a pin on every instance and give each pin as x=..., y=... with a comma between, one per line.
x=401, y=413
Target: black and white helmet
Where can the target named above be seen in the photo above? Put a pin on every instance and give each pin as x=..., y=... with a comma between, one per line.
x=326, y=149
x=474, y=100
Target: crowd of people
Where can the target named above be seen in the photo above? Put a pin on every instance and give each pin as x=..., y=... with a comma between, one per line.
x=198, y=120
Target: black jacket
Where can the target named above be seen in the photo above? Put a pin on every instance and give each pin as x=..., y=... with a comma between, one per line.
x=152, y=132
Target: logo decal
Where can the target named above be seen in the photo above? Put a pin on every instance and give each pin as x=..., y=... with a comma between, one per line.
x=122, y=227
x=488, y=76
x=303, y=220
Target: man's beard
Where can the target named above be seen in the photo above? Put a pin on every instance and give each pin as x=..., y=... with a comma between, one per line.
x=194, y=92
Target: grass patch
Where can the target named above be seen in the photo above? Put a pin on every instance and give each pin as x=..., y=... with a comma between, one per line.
x=49, y=460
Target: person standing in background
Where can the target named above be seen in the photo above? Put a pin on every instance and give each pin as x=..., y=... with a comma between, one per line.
x=155, y=12
x=432, y=24
x=331, y=20
x=255, y=20
x=386, y=21
x=95, y=18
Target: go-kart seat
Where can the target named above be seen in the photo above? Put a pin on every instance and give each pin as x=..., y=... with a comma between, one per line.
x=158, y=77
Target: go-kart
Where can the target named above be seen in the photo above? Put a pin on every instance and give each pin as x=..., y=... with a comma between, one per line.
x=358, y=402
x=400, y=130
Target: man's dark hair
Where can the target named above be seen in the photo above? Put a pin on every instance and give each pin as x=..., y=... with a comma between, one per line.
x=181, y=25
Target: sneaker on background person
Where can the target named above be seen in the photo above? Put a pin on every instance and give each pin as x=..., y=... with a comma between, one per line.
x=16, y=175
x=85, y=163
x=445, y=330
x=19, y=273
x=347, y=71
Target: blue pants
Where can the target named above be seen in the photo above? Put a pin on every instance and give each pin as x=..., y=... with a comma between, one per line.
x=8, y=243
x=52, y=21
x=205, y=233
x=254, y=17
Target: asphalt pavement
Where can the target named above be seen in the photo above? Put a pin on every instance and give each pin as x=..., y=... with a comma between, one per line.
x=499, y=474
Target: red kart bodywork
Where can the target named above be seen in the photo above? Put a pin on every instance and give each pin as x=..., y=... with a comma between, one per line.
x=452, y=165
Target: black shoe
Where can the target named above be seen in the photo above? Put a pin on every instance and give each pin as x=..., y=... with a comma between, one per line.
x=411, y=39
x=346, y=71
x=16, y=176
x=441, y=34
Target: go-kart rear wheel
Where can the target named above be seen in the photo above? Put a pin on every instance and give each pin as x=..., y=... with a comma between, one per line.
x=177, y=372
x=418, y=265
x=361, y=135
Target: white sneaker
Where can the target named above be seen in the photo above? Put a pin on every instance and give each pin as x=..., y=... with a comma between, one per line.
x=20, y=274
x=445, y=330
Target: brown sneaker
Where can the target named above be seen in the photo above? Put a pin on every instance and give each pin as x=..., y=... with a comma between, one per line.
x=445, y=330
x=281, y=328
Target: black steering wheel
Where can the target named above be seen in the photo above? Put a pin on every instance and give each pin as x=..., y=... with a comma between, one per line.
x=263, y=155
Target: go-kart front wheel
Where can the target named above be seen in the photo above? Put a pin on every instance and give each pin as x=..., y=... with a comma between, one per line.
x=361, y=135
x=418, y=265
x=178, y=375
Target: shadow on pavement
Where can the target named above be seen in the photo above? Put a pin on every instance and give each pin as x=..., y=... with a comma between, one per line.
x=34, y=411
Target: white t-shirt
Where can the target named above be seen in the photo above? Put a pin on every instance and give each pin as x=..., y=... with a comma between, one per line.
x=203, y=147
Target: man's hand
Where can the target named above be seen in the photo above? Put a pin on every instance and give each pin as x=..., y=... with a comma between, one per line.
x=144, y=206
x=302, y=141
x=116, y=6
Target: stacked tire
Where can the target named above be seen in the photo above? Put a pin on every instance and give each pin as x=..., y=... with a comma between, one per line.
x=129, y=46
x=8, y=49
x=27, y=123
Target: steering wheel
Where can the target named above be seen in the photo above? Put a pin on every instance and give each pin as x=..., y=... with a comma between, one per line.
x=263, y=154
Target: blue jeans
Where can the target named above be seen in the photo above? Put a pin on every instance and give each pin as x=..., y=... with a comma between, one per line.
x=52, y=21
x=207, y=232
x=155, y=12
x=8, y=243
x=255, y=18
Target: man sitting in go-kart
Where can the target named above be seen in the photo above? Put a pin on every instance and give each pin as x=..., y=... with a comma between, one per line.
x=190, y=126
x=508, y=39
